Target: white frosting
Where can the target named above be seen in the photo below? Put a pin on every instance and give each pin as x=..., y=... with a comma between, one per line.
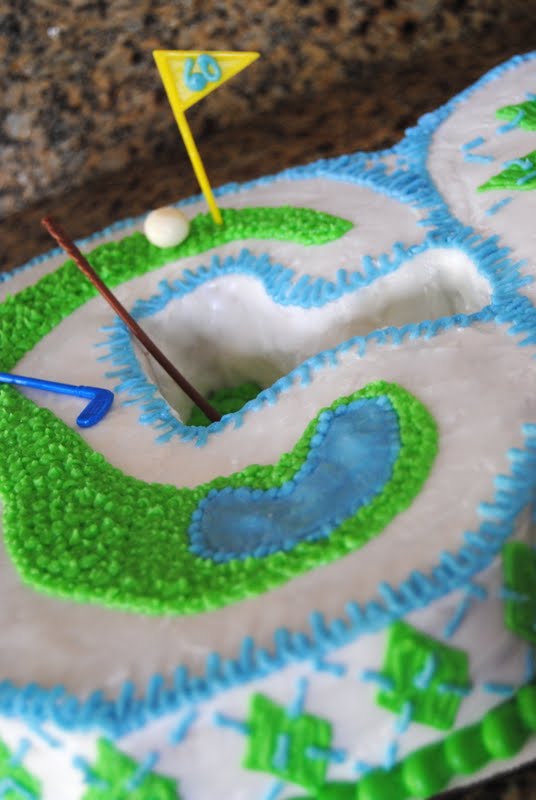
x=501, y=661
x=458, y=179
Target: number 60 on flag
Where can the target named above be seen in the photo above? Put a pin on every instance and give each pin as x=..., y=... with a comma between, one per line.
x=188, y=76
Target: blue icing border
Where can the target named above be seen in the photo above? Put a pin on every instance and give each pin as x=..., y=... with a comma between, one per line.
x=126, y=713
x=351, y=459
x=492, y=262
x=413, y=186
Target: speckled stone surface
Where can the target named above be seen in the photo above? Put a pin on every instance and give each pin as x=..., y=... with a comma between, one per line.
x=81, y=98
x=86, y=132
x=370, y=111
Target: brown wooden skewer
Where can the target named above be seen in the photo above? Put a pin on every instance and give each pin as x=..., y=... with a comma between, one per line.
x=57, y=233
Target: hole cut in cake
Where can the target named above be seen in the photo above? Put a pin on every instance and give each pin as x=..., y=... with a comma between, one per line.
x=229, y=331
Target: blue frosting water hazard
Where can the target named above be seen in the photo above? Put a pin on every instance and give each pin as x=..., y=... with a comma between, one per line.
x=352, y=455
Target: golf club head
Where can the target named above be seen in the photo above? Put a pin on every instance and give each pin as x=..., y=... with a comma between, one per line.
x=97, y=408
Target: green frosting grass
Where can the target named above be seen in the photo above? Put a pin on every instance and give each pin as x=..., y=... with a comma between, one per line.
x=34, y=312
x=76, y=527
x=226, y=400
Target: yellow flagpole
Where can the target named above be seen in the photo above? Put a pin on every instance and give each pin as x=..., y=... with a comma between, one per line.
x=185, y=87
x=197, y=164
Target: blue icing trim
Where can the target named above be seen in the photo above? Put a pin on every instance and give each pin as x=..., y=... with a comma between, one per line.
x=492, y=261
x=296, y=707
x=275, y=789
x=476, y=158
x=223, y=721
x=524, y=163
x=350, y=461
x=509, y=126
x=282, y=752
x=469, y=156
x=404, y=720
x=502, y=689
x=424, y=678
x=412, y=185
x=336, y=756
x=473, y=143
x=180, y=731
x=20, y=753
x=383, y=681
x=390, y=757
x=143, y=769
x=336, y=669
x=10, y=788
x=497, y=206
x=526, y=178
x=118, y=717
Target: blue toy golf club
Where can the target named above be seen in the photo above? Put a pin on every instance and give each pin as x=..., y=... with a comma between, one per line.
x=100, y=400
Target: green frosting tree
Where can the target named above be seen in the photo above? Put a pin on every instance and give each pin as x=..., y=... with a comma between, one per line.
x=519, y=568
x=293, y=748
x=520, y=174
x=430, y=676
x=115, y=776
x=16, y=783
x=525, y=113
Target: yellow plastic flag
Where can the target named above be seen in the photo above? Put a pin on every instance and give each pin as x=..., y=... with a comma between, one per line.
x=188, y=76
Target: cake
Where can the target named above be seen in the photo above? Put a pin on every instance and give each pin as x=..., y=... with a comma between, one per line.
x=329, y=594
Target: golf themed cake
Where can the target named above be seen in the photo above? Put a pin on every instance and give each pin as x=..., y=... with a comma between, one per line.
x=329, y=593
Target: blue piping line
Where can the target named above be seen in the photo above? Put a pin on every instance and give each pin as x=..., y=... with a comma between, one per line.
x=502, y=689
x=297, y=705
x=20, y=753
x=274, y=791
x=90, y=779
x=495, y=264
x=179, y=733
x=425, y=677
x=282, y=752
x=497, y=206
x=383, y=681
x=328, y=666
x=223, y=721
x=407, y=148
x=142, y=771
x=509, y=126
x=9, y=787
x=473, y=143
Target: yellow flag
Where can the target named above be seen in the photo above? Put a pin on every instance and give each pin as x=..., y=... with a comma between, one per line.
x=189, y=75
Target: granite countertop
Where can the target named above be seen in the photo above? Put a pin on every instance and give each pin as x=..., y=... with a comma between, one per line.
x=84, y=121
x=80, y=96
x=369, y=111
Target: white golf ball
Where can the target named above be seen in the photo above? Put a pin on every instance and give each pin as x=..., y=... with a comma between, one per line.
x=166, y=227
